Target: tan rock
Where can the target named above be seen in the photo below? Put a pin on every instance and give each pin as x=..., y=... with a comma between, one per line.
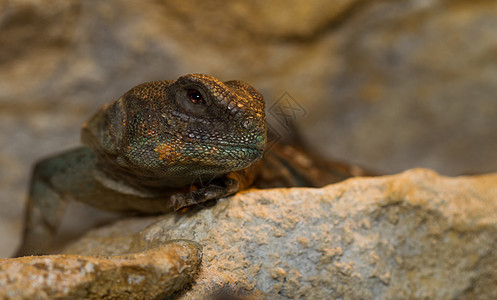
x=415, y=235
x=157, y=272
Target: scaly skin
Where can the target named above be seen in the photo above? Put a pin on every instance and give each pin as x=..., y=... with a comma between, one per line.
x=166, y=145
x=163, y=145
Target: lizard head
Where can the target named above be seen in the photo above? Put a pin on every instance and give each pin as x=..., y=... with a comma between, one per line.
x=174, y=131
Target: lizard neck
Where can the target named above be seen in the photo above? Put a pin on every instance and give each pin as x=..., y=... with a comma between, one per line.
x=148, y=180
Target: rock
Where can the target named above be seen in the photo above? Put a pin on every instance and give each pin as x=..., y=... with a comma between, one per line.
x=415, y=235
x=403, y=74
x=150, y=274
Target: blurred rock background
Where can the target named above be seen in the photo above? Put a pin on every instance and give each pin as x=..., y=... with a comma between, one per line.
x=386, y=84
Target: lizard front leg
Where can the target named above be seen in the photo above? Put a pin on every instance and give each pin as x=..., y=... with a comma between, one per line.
x=224, y=186
x=47, y=202
x=44, y=211
x=71, y=176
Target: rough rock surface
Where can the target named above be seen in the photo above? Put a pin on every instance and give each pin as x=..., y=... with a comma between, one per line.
x=151, y=274
x=401, y=83
x=415, y=235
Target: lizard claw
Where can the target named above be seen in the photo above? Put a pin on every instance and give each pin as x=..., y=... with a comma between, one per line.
x=210, y=192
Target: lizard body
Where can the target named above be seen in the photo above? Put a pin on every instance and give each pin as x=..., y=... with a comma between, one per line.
x=166, y=145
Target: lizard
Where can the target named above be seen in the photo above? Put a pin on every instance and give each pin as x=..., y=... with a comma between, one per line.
x=164, y=146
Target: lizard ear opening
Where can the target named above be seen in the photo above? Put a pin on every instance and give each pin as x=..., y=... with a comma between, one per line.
x=104, y=131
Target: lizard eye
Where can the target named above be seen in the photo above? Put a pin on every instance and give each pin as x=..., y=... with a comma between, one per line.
x=195, y=96
x=192, y=99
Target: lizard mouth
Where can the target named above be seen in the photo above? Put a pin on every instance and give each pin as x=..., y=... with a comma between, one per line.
x=234, y=156
x=239, y=147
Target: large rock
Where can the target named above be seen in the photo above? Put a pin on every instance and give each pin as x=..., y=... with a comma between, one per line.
x=400, y=83
x=415, y=235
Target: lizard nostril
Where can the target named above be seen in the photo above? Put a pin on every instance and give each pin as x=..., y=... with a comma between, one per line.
x=248, y=123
